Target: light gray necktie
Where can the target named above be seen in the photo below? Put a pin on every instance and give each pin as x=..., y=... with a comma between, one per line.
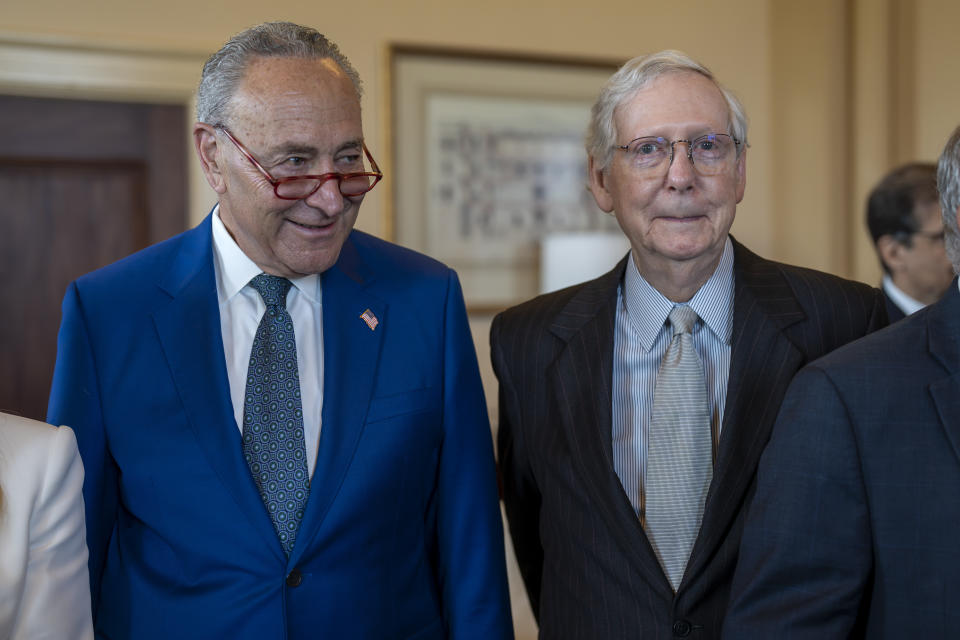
x=679, y=450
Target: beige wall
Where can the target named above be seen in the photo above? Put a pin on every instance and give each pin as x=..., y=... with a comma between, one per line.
x=837, y=92
x=705, y=29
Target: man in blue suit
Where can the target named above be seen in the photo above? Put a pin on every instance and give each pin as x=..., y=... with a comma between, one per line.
x=854, y=529
x=281, y=418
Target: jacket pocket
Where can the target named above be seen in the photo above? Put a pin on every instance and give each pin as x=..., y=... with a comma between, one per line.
x=398, y=404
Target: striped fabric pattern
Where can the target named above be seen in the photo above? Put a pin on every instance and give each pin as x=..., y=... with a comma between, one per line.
x=641, y=338
x=586, y=562
x=681, y=457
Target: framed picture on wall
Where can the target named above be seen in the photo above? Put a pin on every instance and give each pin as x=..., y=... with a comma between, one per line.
x=487, y=160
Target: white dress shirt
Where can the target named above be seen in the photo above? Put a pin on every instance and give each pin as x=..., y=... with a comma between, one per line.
x=906, y=303
x=641, y=338
x=44, y=584
x=241, y=309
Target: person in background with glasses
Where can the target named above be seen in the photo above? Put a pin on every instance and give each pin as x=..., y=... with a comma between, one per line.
x=903, y=216
x=634, y=407
x=281, y=418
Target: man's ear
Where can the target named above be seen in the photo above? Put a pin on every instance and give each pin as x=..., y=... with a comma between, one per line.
x=208, y=150
x=741, y=175
x=598, y=185
x=891, y=252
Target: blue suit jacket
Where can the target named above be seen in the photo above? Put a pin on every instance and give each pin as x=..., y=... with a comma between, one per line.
x=855, y=527
x=401, y=537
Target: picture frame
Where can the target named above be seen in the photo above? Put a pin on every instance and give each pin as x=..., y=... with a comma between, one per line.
x=487, y=157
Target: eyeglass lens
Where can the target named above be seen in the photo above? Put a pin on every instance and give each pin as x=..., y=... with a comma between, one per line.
x=350, y=185
x=711, y=154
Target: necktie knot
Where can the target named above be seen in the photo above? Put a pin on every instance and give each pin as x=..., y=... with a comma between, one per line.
x=273, y=289
x=683, y=319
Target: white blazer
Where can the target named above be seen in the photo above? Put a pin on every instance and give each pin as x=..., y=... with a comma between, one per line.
x=44, y=584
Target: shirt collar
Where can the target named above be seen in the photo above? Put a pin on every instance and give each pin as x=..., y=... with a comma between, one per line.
x=906, y=302
x=235, y=269
x=648, y=309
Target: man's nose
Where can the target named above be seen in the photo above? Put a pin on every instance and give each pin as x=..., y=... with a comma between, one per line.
x=680, y=174
x=327, y=198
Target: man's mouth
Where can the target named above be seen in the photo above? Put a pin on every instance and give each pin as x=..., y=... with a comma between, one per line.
x=682, y=218
x=305, y=225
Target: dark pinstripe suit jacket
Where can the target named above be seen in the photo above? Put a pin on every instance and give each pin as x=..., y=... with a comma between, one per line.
x=589, y=570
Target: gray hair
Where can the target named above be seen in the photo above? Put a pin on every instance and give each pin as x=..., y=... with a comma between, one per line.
x=225, y=69
x=948, y=183
x=635, y=75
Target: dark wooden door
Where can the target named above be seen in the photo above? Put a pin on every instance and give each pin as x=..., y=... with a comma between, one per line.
x=82, y=184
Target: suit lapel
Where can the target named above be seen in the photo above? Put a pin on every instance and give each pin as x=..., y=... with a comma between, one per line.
x=189, y=332
x=762, y=363
x=351, y=358
x=944, y=342
x=581, y=380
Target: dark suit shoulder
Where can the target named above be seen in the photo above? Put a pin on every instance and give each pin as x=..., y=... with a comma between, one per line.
x=810, y=284
x=539, y=310
x=893, y=345
x=807, y=285
x=834, y=310
x=565, y=309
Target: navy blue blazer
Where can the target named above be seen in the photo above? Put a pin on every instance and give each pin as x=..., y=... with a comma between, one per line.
x=401, y=537
x=855, y=527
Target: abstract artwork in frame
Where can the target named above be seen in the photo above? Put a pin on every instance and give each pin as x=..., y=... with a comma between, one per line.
x=487, y=158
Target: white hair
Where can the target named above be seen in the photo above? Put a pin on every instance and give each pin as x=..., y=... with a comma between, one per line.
x=635, y=75
x=948, y=184
x=225, y=69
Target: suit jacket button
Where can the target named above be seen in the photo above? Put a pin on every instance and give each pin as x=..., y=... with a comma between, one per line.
x=681, y=628
x=294, y=578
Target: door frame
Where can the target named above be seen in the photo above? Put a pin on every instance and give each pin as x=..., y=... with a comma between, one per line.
x=51, y=67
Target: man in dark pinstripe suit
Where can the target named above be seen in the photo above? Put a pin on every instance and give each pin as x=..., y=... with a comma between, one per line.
x=577, y=368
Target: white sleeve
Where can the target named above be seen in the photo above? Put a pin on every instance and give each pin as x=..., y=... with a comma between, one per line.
x=56, y=594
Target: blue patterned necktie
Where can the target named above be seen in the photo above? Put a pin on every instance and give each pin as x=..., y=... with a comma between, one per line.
x=679, y=450
x=273, y=441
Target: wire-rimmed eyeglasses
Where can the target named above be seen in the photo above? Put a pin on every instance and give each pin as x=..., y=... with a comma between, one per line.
x=710, y=154
x=932, y=236
x=299, y=187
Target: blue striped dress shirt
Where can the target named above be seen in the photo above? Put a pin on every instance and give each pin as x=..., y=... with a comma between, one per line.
x=641, y=338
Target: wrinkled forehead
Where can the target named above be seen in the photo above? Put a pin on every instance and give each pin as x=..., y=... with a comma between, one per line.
x=675, y=98
x=272, y=86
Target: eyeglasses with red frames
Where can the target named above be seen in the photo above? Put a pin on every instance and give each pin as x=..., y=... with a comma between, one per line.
x=299, y=187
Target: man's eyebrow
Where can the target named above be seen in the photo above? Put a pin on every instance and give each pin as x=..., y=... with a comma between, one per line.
x=293, y=148
x=351, y=144
x=310, y=150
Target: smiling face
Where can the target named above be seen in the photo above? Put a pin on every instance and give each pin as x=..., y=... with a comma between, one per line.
x=680, y=218
x=295, y=116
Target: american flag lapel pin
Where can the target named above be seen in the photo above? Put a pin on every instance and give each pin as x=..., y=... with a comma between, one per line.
x=371, y=320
